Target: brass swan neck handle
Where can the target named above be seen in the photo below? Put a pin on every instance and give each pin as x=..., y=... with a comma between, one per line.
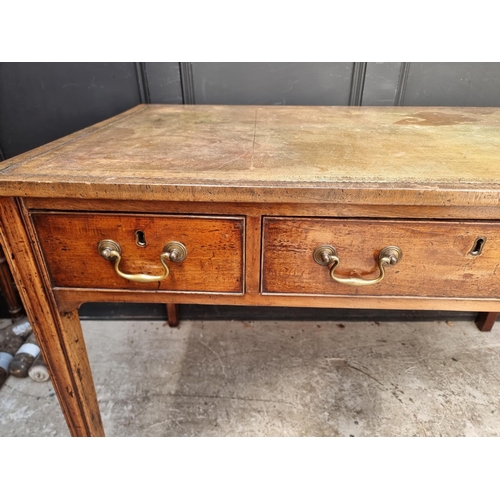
x=173, y=251
x=326, y=255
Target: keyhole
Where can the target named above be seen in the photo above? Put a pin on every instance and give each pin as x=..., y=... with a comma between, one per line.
x=140, y=238
x=478, y=246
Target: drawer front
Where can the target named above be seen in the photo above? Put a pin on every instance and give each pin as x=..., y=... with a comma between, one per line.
x=214, y=261
x=439, y=259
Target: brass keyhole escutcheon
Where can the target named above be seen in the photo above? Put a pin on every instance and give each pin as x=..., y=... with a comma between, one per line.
x=477, y=248
x=140, y=238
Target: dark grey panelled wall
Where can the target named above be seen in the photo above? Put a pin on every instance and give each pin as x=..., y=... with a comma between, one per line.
x=453, y=84
x=272, y=83
x=40, y=102
x=164, y=82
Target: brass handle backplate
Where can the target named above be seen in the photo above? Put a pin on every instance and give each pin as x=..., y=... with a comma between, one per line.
x=173, y=251
x=326, y=255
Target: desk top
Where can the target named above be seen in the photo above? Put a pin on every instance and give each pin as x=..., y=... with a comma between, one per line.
x=271, y=154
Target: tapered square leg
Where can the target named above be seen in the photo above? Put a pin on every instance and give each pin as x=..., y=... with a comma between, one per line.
x=58, y=330
x=8, y=291
x=486, y=320
x=172, y=314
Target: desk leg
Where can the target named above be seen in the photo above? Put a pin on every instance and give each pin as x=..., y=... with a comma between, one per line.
x=173, y=314
x=58, y=332
x=486, y=320
x=7, y=286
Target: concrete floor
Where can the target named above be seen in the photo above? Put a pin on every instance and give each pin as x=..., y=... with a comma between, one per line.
x=278, y=379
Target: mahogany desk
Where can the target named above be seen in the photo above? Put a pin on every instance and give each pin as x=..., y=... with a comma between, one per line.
x=394, y=208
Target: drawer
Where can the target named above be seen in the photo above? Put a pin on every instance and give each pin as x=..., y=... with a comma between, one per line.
x=439, y=259
x=214, y=245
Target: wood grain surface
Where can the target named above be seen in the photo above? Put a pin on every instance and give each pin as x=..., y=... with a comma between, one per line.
x=306, y=154
x=436, y=258
x=327, y=209
x=214, y=262
x=71, y=298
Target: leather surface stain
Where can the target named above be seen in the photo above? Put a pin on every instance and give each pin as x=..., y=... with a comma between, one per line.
x=430, y=118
